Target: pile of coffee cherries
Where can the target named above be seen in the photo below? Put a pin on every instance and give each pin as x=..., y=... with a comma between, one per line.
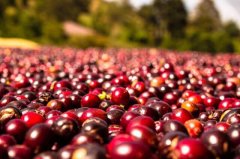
x=64, y=103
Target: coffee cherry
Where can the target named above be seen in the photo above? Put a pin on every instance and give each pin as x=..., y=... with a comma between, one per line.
x=90, y=100
x=65, y=129
x=89, y=150
x=40, y=137
x=32, y=118
x=136, y=150
x=19, y=151
x=120, y=96
x=17, y=128
x=192, y=149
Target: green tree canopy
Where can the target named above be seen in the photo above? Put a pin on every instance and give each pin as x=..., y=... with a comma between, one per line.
x=232, y=29
x=62, y=9
x=207, y=17
x=165, y=17
x=172, y=14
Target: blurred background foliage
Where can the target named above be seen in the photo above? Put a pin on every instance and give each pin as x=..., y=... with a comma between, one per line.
x=164, y=24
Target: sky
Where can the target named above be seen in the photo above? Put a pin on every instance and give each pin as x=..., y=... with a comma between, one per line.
x=138, y=3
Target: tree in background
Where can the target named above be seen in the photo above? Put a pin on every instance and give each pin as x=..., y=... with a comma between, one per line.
x=207, y=17
x=119, y=22
x=162, y=24
x=205, y=29
x=232, y=29
x=152, y=24
x=172, y=15
x=62, y=9
x=165, y=18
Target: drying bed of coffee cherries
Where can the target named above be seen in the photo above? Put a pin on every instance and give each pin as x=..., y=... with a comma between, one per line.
x=63, y=103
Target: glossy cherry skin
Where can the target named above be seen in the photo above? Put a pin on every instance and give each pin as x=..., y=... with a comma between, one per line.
x=83, y=138
x=211, y=102
x=43, y=110
x=217, y=142
x=17, y=128
x=174, y=125
x=66, y=152
x=6, y=99
x=234, y=119
x=112, y=107
x=6, y=141
x=155, y=91
x=196, y=99
x=143, y=134
x=133, y=149
x=154, y=100
x=226, y=103
x=142, y=100
x=236, y=104
x=203, y=116
x=90, y=100
x=46, y=155
x=75, y=100
x=114, y=130
x=53, y=113
x=40, y=137
x=139, y=86
x=93, y=112
x=62, y=92
x=62, y=84
x=170, y=141
x=34, y=105
x=191, y=107
x=96, y=128
x=80, y=111
x=55, y=104
x=19, y=152
x=141, y=120
x=20, y=82
x=32, y=118
x=167, y=67
x=30, y=95
x=132, y=100
x=18, y=104
x=222, y=126
x=194, y=127
x=121, y=138
x=186, y=94
x=51, y=120
x=170, y=98
x=148, y=111
x=161, y=107
x=114, y=116
x=182, y=115
x=120, y=96
x=65, y=129
x=234, y=135
x=191, y=149
x=134, y=107
x=82, y=87
x=127, y=117
x=89, y=150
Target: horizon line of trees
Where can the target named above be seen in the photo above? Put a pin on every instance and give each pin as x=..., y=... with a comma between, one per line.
x=164, y=24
